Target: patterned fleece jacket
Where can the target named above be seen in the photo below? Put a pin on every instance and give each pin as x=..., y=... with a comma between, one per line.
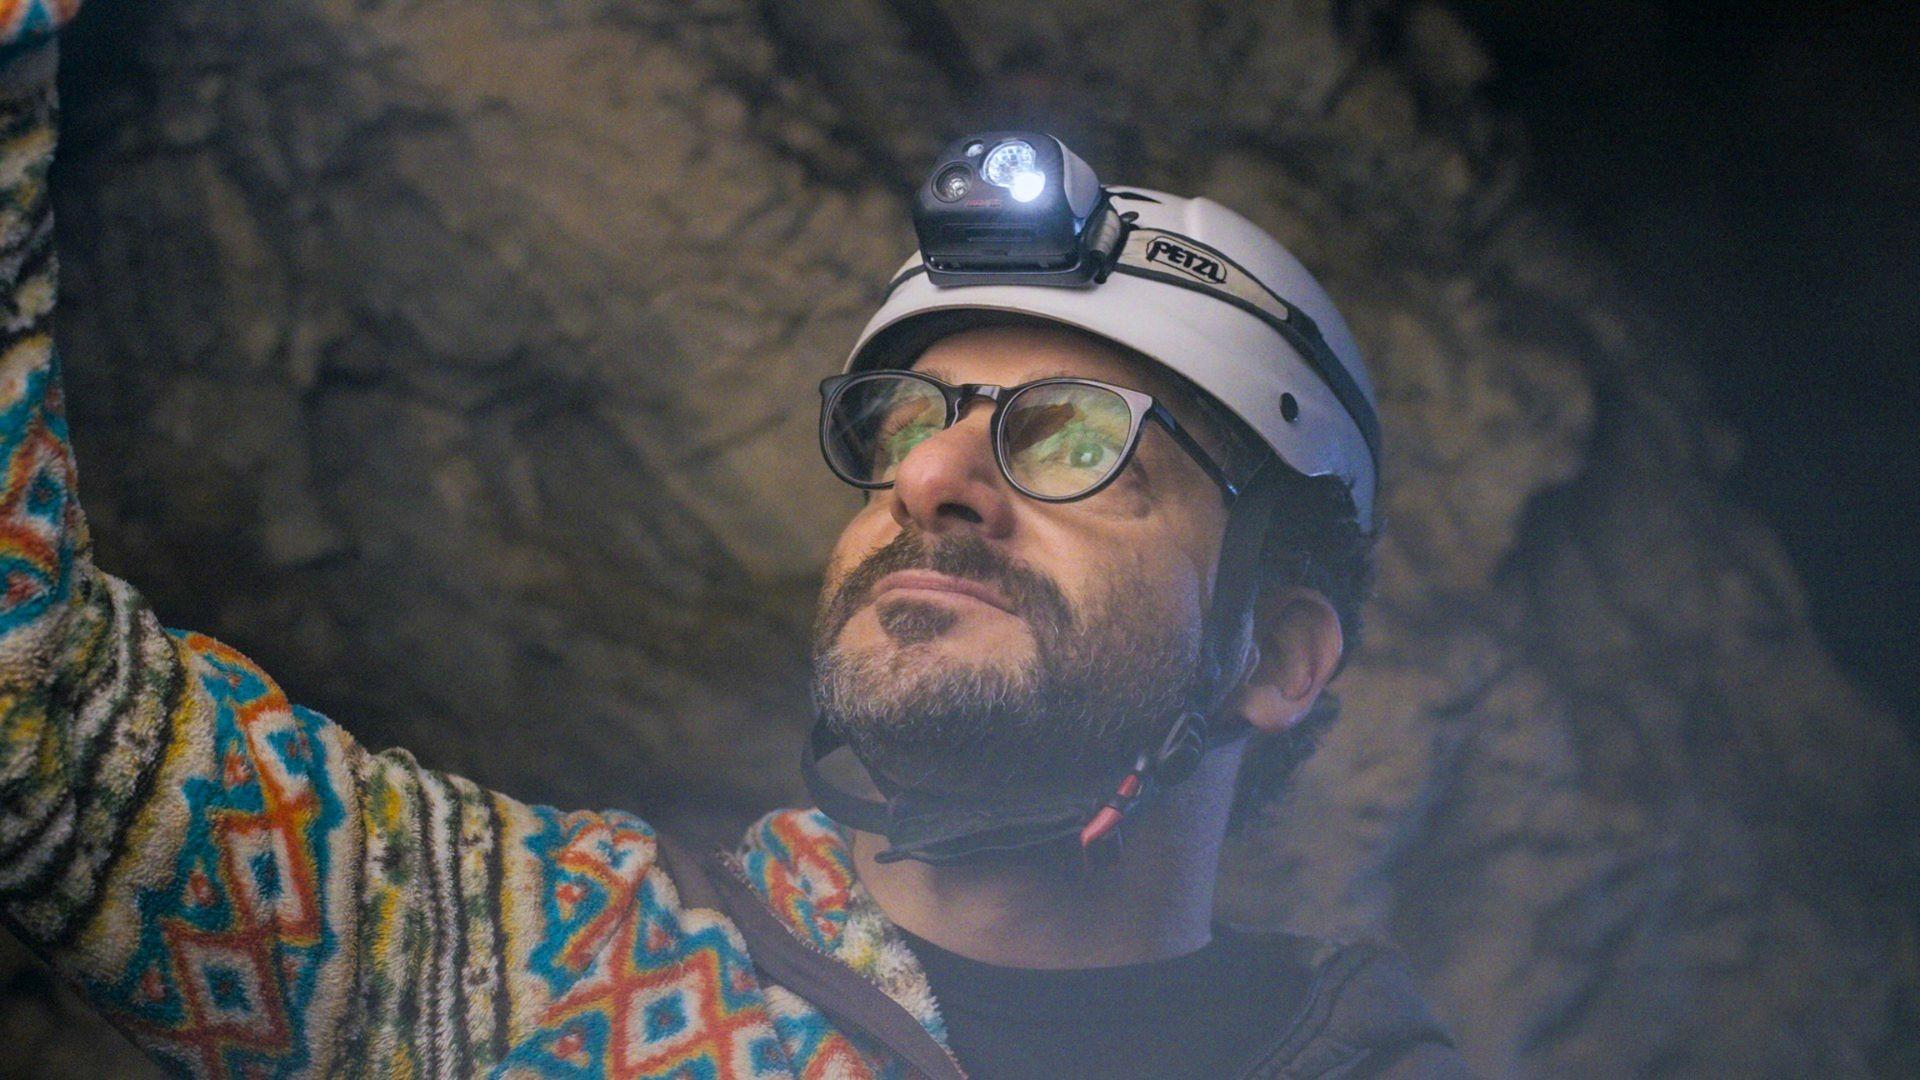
x=246, y=891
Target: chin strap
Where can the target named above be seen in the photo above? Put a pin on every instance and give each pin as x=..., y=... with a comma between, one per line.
x=1202, y=725
x=946, y=829
x=940, y=829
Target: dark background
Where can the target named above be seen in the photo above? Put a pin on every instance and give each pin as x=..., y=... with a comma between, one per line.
x=1756, y=166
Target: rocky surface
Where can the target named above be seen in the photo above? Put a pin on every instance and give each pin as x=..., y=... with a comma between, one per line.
x=456, y=360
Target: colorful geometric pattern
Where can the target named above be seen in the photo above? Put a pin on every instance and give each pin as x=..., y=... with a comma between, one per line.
x=233, y=940
x=637, y=987
x=26, y=24
x=801, y=863
x=247, y=892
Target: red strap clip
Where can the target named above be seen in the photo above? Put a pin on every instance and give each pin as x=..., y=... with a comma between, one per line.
x=1115, y=808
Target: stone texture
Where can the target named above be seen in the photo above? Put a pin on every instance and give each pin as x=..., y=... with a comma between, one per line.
x=456, y=361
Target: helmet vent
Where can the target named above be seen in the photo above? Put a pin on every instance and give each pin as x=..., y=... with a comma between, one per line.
x=1289, y=408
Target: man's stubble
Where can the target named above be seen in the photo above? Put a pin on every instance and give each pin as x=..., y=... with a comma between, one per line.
x=1105, y=676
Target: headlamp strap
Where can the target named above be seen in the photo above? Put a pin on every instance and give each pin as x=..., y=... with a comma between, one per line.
x=1107, y=236
x=1173, y=259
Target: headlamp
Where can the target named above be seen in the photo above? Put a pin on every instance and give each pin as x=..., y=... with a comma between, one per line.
x=1013, y=207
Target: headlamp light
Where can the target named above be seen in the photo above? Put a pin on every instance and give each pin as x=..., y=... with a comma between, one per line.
x=1013, y=207
x=1008, y=164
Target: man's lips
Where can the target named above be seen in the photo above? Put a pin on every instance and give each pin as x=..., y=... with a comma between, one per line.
x=929, y=581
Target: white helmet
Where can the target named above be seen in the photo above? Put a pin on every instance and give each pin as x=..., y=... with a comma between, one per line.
x=1212, y=296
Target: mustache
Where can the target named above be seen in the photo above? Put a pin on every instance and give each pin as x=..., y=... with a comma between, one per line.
x=1032, y=594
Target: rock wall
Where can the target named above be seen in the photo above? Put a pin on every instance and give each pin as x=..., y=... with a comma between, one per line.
x=456, y=360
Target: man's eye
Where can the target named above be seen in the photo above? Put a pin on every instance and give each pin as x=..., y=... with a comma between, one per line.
x=908, y=435
x=1076, y=445
x=1087, y=453
x=904, y=424
x=900, y=439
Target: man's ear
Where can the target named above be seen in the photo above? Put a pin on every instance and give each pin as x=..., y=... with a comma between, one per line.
x=1296, y=647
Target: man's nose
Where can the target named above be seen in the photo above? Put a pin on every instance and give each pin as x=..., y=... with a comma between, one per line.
x=950, y=482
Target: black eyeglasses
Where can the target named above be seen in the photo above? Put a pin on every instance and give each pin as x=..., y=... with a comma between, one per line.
x=1056, y=439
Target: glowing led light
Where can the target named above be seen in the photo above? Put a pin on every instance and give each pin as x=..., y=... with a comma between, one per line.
x=1007, y=162
x=1026, y=187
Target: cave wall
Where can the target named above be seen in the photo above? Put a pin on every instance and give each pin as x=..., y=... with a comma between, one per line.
x=455, y=360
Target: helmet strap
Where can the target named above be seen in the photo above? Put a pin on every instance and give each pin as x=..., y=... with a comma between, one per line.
x=1201, y=726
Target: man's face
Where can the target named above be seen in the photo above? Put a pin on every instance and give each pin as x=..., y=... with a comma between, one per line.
x=971, y=637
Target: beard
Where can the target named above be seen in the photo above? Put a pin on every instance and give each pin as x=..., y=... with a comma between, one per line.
x=1105, y=678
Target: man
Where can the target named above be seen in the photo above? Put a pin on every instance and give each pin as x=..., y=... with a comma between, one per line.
x=1091, y=573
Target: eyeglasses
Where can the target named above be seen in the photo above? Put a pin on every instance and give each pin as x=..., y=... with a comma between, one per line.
x=1056, y=440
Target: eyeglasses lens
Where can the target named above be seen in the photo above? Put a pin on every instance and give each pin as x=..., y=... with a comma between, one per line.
x=1063, y=439
x=875, y=422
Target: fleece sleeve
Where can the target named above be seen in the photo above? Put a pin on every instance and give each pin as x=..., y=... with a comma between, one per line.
x=228, y=876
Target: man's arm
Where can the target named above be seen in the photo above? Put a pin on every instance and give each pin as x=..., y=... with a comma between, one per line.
x=226, y=875
x=55, y=610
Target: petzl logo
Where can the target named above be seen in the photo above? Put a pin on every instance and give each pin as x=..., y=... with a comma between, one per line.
x=1186, y=260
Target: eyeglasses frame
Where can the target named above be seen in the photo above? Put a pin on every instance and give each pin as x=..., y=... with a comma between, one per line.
x=1141, y=407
